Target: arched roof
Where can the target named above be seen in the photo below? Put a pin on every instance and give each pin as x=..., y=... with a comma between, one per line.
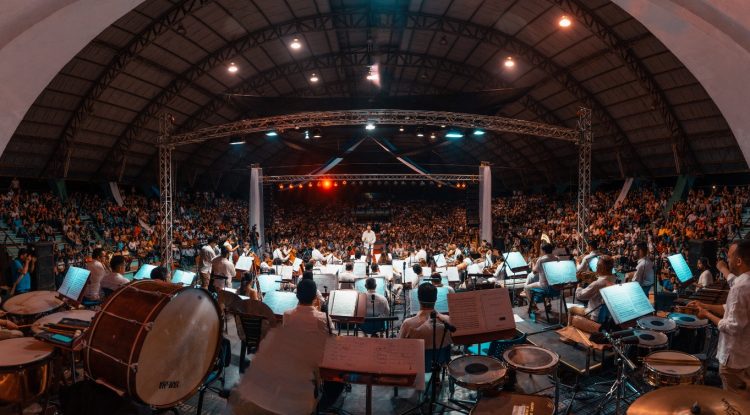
x=96, y=120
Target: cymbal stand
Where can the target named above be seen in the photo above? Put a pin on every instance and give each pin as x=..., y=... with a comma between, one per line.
x=617, y=389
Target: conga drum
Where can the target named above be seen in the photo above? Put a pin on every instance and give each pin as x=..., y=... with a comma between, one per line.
x=479, y=373
x=26, y=308
x=154, y=341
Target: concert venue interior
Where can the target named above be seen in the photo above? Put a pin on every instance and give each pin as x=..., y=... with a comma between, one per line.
x=374, y=207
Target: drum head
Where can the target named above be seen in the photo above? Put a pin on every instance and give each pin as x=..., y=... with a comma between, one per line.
x=476, y=370
x=650, y=338
x=656, y=324
x=530, y=359
x=179, y=350
x=54, y=318
x=687, y=320
x=23, y=351
x=35, y=302
x=674, y=369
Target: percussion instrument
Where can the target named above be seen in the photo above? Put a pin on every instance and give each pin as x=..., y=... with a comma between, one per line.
x=690, y=399
x=660, y=324
x=24, y=309
x=154, y=341
x=86, y=315
x=479, y=373
x=692, y=335
x=24, y=369
x=514, y=403
x=672, y=368
x=526, y=358
x=686, y=310
x=649, y=341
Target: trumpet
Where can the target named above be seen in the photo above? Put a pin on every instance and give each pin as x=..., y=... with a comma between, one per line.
x=586, y=277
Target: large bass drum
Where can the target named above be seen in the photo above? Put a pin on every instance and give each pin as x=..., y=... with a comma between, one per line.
x=154, y=341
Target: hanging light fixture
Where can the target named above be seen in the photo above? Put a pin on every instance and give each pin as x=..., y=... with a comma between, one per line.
x=232, y=68
x=314, y=78
x=564, y=21
x=295, y=44
x=509, y=62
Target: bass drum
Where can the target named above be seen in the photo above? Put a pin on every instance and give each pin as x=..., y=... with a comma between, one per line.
x=154, y=341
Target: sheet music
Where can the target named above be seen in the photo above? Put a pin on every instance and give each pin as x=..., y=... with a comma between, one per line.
x=452, y=273
x=475, y=268
x=680, y=267
x=593, y=263
x=269, y=282
x=297, y=262
x=386, y=270
x=331, y=269
x=626, y=302
x=359, y=285
x=144, y=272
x=375, y=355
x=560, y=272
x=441, y=305
x=280, y=301
x=326, y=282
x=410, y=276
x=481, y=311
x=440, y=260
x=398, y=266
x=360, y=268
x=515, y=260
x=344, y=303
x=183, y=277
x=73, y=283
x=287, y=271
x=244, y=263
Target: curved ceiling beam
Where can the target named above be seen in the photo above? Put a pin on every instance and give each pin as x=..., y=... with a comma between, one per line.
x=615, y=43
x=57, y=165
x=364, y=19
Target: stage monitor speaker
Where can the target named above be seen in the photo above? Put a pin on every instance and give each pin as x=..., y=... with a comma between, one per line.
x=702, y=247
x=43, y=277
x=472, y=206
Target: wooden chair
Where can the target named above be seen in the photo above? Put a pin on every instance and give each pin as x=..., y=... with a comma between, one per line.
x=253, y=320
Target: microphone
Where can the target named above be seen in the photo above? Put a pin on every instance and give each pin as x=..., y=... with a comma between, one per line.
x=621, y=333
x=448, y=326
x=629, y=340
x=325, y=289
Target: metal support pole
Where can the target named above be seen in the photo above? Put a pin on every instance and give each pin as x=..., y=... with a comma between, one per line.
x=585, y=140
x=166, y=122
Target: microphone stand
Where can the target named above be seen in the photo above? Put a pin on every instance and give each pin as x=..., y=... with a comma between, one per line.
x=621, y=381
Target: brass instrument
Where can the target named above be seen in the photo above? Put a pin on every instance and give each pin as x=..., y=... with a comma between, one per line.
x=587, y=277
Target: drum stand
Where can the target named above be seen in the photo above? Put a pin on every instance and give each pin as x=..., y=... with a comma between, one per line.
x=617, y=389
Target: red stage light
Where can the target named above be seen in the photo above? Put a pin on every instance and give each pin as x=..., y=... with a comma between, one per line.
x=291, y=186
x=299, y=186
x=309, y=185
x=281, y=186
x=326, y=184
x=343, y=182
x=335, y=184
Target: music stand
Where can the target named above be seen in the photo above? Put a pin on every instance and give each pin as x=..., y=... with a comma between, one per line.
x=144, y=272
x=441, y=305
x=560, y=274
x=328, y=282
x=280, y=301
x=681, y=268
x=269, y=282
x=73, y=283
x=360, y=268
x=244, y=263
x=626, y=302
x=359, y=285
x=183, y=277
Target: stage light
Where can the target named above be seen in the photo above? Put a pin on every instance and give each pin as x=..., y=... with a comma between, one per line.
x=327, y=184
x=335, y=184
x=271, y=133
x=317, y=133
x=236, y=141
x=317, y=184
x=343, y=182
x=281, y=187
x=295, y=44
x=309, y=184
x=232, y=68
x=299, y=186
x=454, y=134
x=420, y=132
x=565, y=22
x=369, y=126
x=307, y=134
x=440, y=185
x=478, y=132
x=370, y=75
x=433, y=136
x=442, y=125
x=401, y=129
x=509, y=62
x=314, y=78
x=291, y=186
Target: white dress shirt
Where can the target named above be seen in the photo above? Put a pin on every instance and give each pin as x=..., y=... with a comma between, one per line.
x=421, y=255
x=420, y=327
x=113, y=281
x=539, y=269
x=223, y=267
x=382, y=308
x=592, y=294
x=94, y=284
x=317, y=256
x=368, y=238
x=734, y=328
x=706, y=278
x=644, y=272
x=278, y=254
x=207, y=255
x=584, y=265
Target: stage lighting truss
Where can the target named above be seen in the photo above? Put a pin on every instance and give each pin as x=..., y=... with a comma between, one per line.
x=379, y=178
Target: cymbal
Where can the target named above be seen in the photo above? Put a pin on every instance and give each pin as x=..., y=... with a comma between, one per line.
x=690, y=399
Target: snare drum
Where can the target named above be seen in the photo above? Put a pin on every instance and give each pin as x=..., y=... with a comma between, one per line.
x=534, y=360
x=514, y=403
x=479, y=373
x=154, y=341
x=24, y=369
x=85, y=315
x=649, y=341
x=26, y=308
x=660, y=324
x=660, y=374
x=692, y=335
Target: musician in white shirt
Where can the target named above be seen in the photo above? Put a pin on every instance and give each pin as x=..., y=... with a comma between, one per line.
x=538, y=272
x=280, y=256
x=222, y=270
x=97, y=272
x=346, y=278
x=377, y=305
x=368, y=238
x=594, y=252
x=316, y=255
x=207, y=254
x=421, y=255
x=114, y=280
x=420, y=326
x=733, y=322
x=591, y=293
x=644, y=270
x=706, y=278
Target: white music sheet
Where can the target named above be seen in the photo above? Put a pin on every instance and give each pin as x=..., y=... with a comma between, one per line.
x=183, y=277
x=244, y=263
x=440, y=260
x=287, y=271
x=376, y=356
x=475, y=268
x=626, y=302
x=515, y=260
x=326, y=282
x=481, y=311
x=560, y=272
x=75, y=280
x=297, y=262
x=344, y=303
x=410, y=276
x=360, y=268
x=280, y=301
x=452, y=273
x=331, y=269
x=386, y=270
x=441, y=305
x=144, y=272
x=398, y=266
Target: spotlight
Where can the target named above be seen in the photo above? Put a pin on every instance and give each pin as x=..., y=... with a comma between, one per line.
x=420, y=132
x=564, y=22
x=271, y=133
x=401, y=129
x=307, y=134
x=236, y=141
x=509, y=62
x=370, y=126
x=317, y=184
x=433, y=136
x=335, y=184
x=343, y=182
x=291, y=186
x=442, y=125
x=232, y=68
x=299, y=186
x=440, y=185
x=327, y=184
x=314, y=78
x=295, y=44
x=317, y=133
x=281, y=187
x=454, y=134
x=309, y=184
x=478, y=132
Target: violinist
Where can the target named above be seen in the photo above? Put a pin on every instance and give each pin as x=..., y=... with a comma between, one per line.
x=593, y=253
x=591, y=292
